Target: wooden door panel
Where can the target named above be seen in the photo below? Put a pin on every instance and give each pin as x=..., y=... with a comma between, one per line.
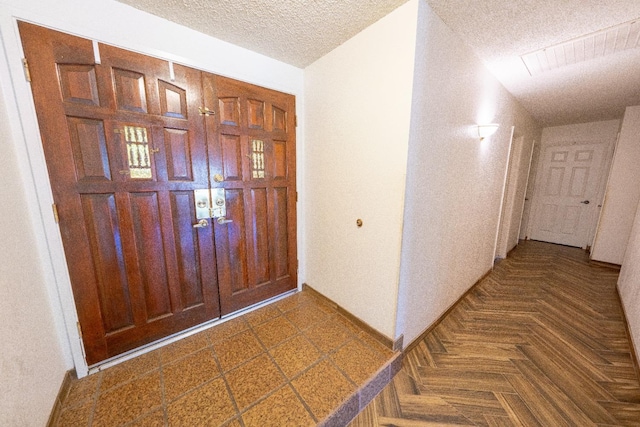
x=130, y=90
x=89, y=146
x=78, y=84
x=125, y=149
x=152, y=259
x=231, y=157
x=252, y=146
x=187, y=249
x=280, y=233
x=107, y=259
x=259, y=241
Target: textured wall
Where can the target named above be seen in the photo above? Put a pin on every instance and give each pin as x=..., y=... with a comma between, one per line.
x=629, y=282
x=622, y=193
x=32, y=363
x=358, y=100
x=454, y=181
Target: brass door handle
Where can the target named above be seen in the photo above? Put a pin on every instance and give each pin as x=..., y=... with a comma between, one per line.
x=223, y=220
x=201, y=224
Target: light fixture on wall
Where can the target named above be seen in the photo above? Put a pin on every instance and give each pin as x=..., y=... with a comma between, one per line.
x=487, y=130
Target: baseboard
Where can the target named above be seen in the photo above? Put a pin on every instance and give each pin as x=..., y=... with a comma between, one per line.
x=634, y=355
x=605, y=264
x=383, y=339
x=62, y=394
x=413, y=344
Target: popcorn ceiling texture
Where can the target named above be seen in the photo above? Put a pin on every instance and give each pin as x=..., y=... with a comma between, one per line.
x=300, y=31
x=499, y=31
x=294, y=31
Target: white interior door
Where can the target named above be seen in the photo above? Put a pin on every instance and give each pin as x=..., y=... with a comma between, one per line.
x=566, y=205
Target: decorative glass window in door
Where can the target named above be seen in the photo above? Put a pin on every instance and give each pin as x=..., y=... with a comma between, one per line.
x=138, y=153
x=257, y=158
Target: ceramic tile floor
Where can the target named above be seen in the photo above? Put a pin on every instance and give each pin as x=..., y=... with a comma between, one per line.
x=295, y=362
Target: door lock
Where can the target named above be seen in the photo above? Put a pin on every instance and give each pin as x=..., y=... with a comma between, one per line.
x=201, y=224
x=585, y=202
x=205, y=209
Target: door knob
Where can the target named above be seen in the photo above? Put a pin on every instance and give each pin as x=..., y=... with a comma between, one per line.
x=201, y=224
x=223, y=220
x=586, y=202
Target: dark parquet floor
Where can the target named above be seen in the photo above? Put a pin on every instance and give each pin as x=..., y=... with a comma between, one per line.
x=541, y=341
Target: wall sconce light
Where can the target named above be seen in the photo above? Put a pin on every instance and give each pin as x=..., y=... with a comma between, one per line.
x=487, y=130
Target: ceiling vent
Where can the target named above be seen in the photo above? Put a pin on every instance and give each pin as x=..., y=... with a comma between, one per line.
x=595, y=45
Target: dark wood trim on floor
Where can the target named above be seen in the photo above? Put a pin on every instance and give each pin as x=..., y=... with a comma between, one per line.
x=634, y=355
x=383, y=339
x=605, y=264
x=430, y=328
x=69, y=376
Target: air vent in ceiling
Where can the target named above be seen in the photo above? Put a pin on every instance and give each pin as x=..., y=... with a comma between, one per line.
x=595, y=45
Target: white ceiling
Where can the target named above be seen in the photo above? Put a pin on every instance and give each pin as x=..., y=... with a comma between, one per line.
x=300, y=31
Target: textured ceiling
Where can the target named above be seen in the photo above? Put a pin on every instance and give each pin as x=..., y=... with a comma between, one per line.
x=294, y=31
x=499, y=31
x=300, y=31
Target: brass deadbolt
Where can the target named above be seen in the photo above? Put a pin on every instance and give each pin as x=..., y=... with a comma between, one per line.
x=359, y=222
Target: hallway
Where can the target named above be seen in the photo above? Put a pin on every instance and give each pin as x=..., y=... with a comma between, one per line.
x=541, y=341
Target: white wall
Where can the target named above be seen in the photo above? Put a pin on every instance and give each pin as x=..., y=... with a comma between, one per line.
x=629, y=282
x=358, y=101
x=601, y=132
x=43, y=285
x=515, y=189
x=32, y=362
x=454, y=181
x=622, y=193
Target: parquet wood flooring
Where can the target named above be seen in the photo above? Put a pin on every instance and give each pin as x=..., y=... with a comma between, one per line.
x=541, y=341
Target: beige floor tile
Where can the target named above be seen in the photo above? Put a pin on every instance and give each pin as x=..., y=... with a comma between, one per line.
x=383, y=350
x=281, y=409
x=82, y=389
x=78, y=415
x=306, y=315
x=295, y=355
x=323, y=388
x=358, y=360
x=128, y=402
x=152, y=419
x=254, y=380
x=261, y=315
x=183, y=347
x=126, y=371
x=188, y=373
x=293, y=301
x=237, y=349
x=328, y=335
x=227, y=329
x=208, y=405
x=274, y=331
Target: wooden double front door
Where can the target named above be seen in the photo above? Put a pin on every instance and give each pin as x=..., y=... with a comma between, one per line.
x=174, y=188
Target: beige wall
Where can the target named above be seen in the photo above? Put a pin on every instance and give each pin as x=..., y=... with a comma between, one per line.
x=629, y=282
x=358, y=105
x=622, y=193
x=454, y=181
x=32, y=362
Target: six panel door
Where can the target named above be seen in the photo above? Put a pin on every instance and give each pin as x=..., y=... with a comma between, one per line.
x=126, y=146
